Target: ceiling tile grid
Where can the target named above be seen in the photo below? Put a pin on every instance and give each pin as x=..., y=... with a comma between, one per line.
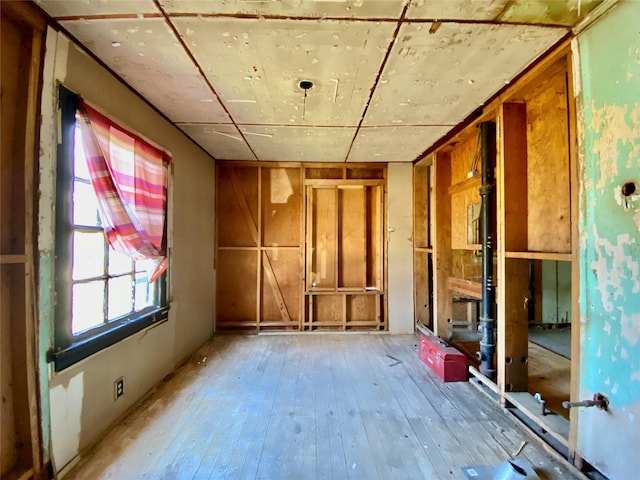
x=147, y=55
x=256, y=66
x=439, y=76
x=390, y=77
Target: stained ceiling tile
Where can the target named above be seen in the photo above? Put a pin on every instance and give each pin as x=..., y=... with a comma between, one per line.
x=291, y=8
x=256, y=66
x=439, y=78
x=300, y=144
x=549, y=12
x=456, y=9
x=147, y=55
x=77, y=8
x=394, y=144
x=223, y=142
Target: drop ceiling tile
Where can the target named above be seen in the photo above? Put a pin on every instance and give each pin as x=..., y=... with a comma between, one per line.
x=299, y=144
x=146, y=54
x=394, y=144
x=456, y=9
x=223, y=142
x=256, y=66
x=291, y=8
x=567, y=12
x=439, y=78
x=76, y=8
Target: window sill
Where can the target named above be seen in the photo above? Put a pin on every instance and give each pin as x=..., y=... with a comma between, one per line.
x=82, y=349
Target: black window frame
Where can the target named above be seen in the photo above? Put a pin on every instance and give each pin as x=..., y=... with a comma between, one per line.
x=70, y=349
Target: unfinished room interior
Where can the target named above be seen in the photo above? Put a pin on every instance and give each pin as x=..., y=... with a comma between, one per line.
x=300, y=239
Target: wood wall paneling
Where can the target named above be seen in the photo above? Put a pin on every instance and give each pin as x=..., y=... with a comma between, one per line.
x=281, y=197
x=267, y=279
x=280, y=304
x=352, y=237
x=549, y=222
x=236, y=289
x=323, y=238
x=237, y=206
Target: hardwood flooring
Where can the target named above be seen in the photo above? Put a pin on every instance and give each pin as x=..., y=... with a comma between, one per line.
x=310, y=406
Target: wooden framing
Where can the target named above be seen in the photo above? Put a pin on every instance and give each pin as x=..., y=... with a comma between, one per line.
x=22, y=43
x=344, y=284
x=536, y=216
x=267, y=216
x=442, y=258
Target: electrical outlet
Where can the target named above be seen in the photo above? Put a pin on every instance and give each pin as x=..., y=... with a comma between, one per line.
x=118, y=388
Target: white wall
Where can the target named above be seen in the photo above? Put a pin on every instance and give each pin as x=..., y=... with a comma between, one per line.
x=400, y=247
x=80, y=399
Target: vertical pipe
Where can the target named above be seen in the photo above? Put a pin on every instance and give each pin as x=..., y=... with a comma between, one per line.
x=488, y=193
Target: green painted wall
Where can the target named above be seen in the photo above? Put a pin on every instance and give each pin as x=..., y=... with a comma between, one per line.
x=609, y=156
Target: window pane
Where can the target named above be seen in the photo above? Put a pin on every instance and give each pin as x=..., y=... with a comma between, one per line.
x=120, y=291
x=88, y=306
x=145, y=293
x=145, y=265
x=80, y=169
x=88, y=255
x=119, y=263
x=85, y=205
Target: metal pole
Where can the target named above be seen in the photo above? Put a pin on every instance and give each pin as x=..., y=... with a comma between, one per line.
x=488, y=193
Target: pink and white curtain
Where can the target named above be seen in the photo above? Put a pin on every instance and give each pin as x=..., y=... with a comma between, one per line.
x=129, y=176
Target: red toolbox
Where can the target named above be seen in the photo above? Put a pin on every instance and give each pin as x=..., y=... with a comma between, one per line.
x=447, y=362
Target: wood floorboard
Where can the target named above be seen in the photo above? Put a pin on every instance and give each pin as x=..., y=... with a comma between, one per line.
x=310, y=406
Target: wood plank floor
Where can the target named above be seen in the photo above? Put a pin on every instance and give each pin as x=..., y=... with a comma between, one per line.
x=310, y=406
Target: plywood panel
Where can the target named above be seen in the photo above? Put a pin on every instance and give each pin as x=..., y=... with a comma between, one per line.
x=549, y=192
x=324, y=173
x=281, y=206
x=352, y=237
x=463, y=155
x=328, y=310
x=460, y=203
x=467, y=264
x=362, y=308
x=365, y=173
x=236, y=288
x=323, y=239
x=237, y=206
x=286, y=267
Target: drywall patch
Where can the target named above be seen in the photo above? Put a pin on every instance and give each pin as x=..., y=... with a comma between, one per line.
x=617, y=128
x=66, y=413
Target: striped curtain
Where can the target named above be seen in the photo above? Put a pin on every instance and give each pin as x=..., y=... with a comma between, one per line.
x=129, y=176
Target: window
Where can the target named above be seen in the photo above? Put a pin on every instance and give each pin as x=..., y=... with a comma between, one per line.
x=102, y=295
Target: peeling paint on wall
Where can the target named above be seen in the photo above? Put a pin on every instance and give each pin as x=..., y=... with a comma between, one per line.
x=608, y=117
x=618, y=127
